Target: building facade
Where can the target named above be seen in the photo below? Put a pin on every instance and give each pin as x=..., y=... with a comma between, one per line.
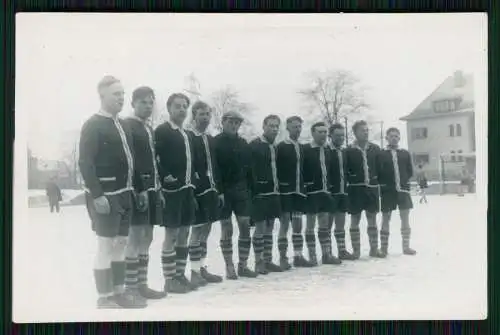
x=441, y=130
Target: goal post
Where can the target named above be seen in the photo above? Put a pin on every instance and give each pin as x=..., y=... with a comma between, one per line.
x=453, y=168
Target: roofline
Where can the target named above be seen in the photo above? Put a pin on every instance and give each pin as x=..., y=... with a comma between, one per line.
x=467, y=111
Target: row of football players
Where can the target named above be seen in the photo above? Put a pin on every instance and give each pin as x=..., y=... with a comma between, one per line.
x=184, y=180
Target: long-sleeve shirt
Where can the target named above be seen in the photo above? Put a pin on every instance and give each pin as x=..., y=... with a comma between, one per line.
x=361, y=165
x=233, y=159
x=175, y=153
x=264, y=167
x=395, y=169
x=316, y=168
x=205, y=163
x=338, y=168
x=105, y=160
x=146, y=177
x=290, y=161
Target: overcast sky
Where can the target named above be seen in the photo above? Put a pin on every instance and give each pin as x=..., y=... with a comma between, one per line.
x=401, y=57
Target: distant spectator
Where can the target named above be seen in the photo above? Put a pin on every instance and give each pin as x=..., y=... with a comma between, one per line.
x=54, y=194
x=465, y=182
x=422, y=183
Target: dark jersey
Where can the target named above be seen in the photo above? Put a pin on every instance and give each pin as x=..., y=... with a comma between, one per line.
x=362, y=165
x=317, y=162
x=264, y=169
x=395, y=169
x=290, y=162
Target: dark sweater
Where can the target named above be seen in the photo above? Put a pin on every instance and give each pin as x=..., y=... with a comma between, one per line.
x=395, y=169
x=146, y=176
x=233, y=159
x=176, y=157
x=361, y=165
x=264, y=169
x=317, y=162
x=290, y=161
x=338, y=168
x=105, y=159
x=206, y=163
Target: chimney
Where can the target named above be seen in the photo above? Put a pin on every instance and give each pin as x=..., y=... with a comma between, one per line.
x=458, y=78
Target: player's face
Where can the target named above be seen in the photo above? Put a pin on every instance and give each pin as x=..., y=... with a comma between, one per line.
x=294, y=129
x=271, y=129
x=178, y=110
x=393, y=138
x=143, y=108
x=361, y=133
x=231, y=126
x=319, y=135
x=203, y=117
x=112, y=98
x=338, y=137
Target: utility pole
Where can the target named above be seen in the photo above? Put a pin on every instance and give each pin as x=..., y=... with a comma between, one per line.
x=346, y=131
x=381, y=134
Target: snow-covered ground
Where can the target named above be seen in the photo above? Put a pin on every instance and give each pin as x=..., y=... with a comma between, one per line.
x=53, y=256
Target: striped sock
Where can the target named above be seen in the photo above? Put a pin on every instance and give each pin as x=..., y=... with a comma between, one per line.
x=406, y=234
x=181, y=254
x=104, y=282
x=131, y=272
x=355, y=239
x=384, y=239
x=373, y=236
x=168, y=264
x=283, y=247
x=339, y=234
x=298, y=244
x=118, y=270
x=323, y=241
x=243, y=250
x=258, y=247
x=143, y=269
x=311, y=245
x=195, y=256
x=226, y=247
x=268, y=248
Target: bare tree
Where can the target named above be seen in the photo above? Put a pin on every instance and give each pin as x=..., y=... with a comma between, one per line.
x=335, y=94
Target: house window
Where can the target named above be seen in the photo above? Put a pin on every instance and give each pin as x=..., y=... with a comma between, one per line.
x=453, y=158
x=421, y=158
x=460, y=158
x=419, y=133
x=459, y=130
x=451, y=130
x=444, y=106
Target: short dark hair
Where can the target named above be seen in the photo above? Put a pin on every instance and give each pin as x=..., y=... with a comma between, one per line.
x=106, y=81
x=391, y=129
x=316, y=125
x=199, y=105
x=271, y=117
x=334, y=127
x=294, y=118
x=173, y=96
x=142, y=92
x=358, y=124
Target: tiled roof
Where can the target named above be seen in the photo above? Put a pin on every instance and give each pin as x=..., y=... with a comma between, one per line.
x=447, y=90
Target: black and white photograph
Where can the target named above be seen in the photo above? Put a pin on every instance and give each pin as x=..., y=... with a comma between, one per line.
x=181, y=167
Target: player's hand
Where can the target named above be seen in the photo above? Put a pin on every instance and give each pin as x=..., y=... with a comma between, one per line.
x=142, y=201
x=221, y=200
x=162, y=199
x=101, y=205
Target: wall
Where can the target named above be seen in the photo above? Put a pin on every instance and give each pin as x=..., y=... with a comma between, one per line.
x=438, y=140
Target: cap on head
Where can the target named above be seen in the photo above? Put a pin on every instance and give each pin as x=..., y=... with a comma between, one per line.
x=105, y=82
x=232, y=115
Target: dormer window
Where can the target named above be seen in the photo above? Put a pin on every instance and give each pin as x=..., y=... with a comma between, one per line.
x=443, y=106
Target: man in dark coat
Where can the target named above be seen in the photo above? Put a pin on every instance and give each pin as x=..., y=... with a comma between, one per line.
x=54, y=194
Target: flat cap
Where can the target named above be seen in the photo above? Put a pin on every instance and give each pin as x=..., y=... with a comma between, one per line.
x=232, y=115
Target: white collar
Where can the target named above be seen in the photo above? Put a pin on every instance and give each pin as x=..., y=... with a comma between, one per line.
x=391, y=148
x=135, y=117
x=333, y=147
x=356, y=144
x=289, y=140
x=316, y=145
x=106, y=114
x=173, y=125
x=197, y=133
